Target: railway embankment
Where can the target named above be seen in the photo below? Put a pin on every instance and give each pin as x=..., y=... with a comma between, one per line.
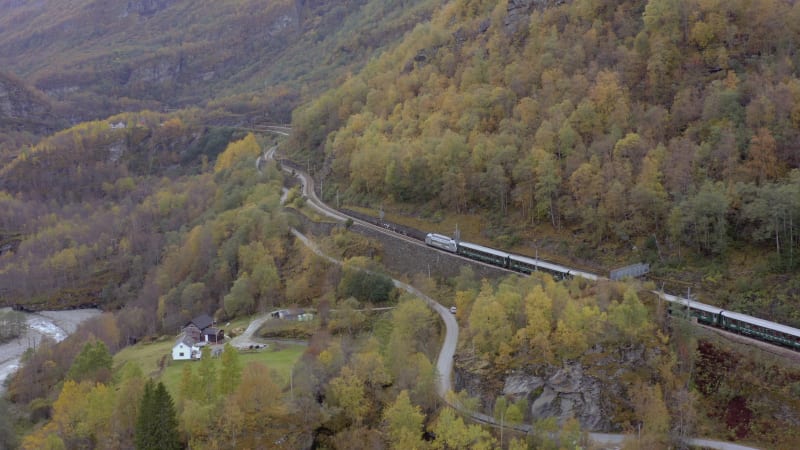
x=402, y=257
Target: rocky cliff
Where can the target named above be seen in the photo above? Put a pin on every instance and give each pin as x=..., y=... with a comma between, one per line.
x=590, y=389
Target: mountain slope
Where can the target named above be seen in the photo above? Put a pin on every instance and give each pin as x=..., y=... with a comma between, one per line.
x=24, y=114
x=111, y=55
x=21, y=106
x=606, y=131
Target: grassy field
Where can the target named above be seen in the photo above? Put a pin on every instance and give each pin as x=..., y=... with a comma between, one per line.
x=280, y=357
x=147, y=355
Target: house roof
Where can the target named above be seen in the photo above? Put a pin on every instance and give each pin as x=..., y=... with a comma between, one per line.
x=202, y=321
x=185, y=340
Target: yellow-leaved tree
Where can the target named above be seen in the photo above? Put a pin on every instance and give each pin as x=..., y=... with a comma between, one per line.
x=247, y=147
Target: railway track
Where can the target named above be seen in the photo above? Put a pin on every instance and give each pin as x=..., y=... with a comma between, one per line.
x=309, y=192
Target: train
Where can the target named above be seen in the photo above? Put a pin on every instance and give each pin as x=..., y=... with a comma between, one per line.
x=743, y=324
x=511, y=261
x=752, y=327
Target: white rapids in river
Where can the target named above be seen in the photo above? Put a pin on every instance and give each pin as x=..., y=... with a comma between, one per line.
x=55, y=324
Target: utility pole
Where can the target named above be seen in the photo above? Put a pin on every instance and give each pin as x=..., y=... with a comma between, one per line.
x=688, y=302
x=502, y=427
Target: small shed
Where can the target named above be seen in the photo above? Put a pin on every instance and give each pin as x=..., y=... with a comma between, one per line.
x=292, y=314
x=184, y=349
x=213, y=335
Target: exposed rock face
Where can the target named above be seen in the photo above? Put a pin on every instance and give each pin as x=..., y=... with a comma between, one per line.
x=590, y=392
x=569, y=392
x=563, y=393
x=520, y=385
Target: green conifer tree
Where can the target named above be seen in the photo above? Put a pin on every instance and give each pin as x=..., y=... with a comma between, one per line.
x=157, y=424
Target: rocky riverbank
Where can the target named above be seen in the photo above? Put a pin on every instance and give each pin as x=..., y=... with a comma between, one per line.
x=53, y=324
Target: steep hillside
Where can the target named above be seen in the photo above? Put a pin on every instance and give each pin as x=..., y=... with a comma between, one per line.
x=663, y=130
x=24, y=114
x=102, y=57
x=86, y=211
x=20, y=104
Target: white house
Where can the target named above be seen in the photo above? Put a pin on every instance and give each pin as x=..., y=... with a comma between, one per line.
x=185, y=348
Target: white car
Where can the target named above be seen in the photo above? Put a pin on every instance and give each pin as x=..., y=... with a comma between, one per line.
x=453, y=309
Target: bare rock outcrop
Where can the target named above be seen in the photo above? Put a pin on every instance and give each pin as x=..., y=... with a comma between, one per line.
x=562, y=393
x=570, y=392
x=591, y=389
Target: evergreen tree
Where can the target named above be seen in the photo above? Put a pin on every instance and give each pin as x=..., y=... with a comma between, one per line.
x=92, y=363
x=157, y=425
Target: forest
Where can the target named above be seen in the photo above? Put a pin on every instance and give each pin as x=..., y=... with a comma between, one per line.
x=663, y=131
x=361, y=373
x=592, y=132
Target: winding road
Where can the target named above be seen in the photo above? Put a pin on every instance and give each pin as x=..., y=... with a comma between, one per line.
x=444, y=363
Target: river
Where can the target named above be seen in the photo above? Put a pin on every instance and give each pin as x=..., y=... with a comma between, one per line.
x=55, y=324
